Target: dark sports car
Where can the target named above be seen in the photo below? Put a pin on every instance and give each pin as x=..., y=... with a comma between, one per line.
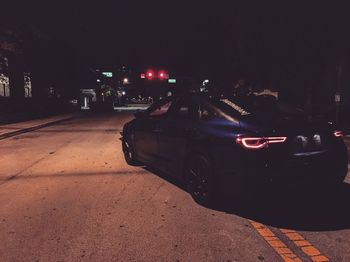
x=230, y=144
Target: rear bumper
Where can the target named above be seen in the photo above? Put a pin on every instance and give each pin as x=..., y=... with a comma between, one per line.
x=296, y=171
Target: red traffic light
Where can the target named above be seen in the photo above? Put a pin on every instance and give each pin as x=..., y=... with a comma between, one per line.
x=162, y=75
x=150, y=74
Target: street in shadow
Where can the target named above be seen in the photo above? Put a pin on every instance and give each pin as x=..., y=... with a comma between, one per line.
x=307, y=208
x=312, y=208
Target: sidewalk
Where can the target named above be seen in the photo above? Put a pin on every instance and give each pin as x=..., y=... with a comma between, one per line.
x=132, y=107
x=9, y=130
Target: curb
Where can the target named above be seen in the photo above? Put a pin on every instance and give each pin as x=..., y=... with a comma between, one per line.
x=29, y=129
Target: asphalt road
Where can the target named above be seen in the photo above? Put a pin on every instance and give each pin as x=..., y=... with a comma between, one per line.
x=66, y=194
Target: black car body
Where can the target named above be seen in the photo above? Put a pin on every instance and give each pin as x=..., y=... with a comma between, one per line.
x=230, y=144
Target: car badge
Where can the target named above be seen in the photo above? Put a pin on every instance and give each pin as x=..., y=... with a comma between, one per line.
x=302, y=140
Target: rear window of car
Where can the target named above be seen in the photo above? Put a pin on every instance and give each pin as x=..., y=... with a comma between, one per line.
x=256, y=105
x=230, y=107
x=159, y=108
x=234, y=106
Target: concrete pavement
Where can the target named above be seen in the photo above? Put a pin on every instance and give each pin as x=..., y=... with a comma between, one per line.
x=8, y=130
x=66, y=194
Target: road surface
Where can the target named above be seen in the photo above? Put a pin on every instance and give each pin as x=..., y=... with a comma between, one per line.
x=66, y=194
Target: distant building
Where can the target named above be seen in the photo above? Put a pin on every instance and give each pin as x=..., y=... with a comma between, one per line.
x=4, y=78
x=27, y=85
x=87, y=96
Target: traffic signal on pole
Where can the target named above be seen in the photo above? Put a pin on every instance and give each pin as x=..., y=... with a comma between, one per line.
x=150, y=74
x=162, y=75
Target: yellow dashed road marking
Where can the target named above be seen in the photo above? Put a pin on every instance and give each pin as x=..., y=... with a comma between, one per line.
x=281, y=249
x=304, y=245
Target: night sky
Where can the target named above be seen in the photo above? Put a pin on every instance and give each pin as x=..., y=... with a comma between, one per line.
x=192, y=37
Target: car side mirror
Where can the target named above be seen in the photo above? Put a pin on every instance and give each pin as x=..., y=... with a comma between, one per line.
x=139, y=114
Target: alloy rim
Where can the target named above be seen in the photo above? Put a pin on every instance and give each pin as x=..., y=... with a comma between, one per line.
x=128, y=150
x=198, y=181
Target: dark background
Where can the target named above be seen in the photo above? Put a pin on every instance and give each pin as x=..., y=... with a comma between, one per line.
x=294, y=48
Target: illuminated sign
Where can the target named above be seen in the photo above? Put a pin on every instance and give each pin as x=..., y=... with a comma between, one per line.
x=107, y=74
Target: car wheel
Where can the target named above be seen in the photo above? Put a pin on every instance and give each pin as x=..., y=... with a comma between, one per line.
x=341, y=174
x=337, y=174
x=129, y=153
x=200, y=181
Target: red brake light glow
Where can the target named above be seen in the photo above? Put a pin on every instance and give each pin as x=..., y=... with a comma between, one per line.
x=338, y=133
x=259, y=142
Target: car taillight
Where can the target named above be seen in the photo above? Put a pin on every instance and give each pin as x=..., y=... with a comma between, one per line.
x=259, y=142
x=277, y=139
x=252, y=142
x=338, y=133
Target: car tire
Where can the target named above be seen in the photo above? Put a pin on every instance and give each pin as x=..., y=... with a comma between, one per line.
x=129, y=152
x=337, y=174
x=342, y=173
x=199, y=178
